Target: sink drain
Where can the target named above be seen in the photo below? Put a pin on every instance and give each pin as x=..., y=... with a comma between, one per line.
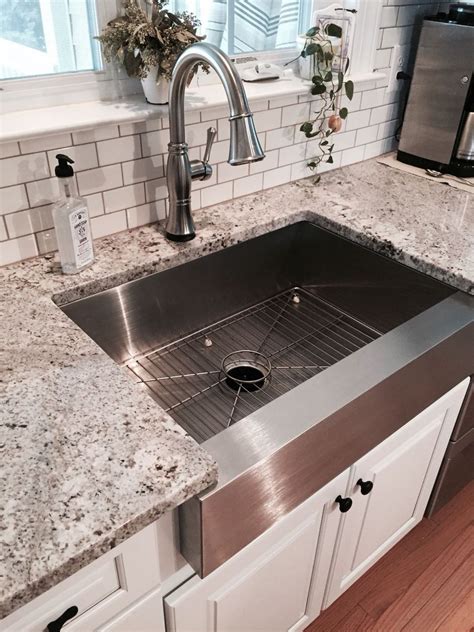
x=246, y=370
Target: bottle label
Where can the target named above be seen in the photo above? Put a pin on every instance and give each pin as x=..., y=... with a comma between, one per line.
x=81, y=237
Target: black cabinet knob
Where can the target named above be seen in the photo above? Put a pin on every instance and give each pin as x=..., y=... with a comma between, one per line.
x=365, y=486
x=344, y=503
x=56, y=626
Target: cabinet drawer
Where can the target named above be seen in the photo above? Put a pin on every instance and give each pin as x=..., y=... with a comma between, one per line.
x=99, y=591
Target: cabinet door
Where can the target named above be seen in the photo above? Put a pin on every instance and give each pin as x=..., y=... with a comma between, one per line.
x=263, y=588
x=402, y=471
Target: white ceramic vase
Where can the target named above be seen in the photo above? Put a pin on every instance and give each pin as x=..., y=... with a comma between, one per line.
x=156, y=90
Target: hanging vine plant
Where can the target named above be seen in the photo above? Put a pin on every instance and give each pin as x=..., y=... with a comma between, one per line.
x=330, y=85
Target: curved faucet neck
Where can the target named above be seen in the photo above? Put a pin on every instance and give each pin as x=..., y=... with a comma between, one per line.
x=216, y=59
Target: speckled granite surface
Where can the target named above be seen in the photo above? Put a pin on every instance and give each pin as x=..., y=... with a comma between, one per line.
x=87, y=458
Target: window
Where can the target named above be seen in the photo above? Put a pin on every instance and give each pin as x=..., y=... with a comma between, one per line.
x=47, y=37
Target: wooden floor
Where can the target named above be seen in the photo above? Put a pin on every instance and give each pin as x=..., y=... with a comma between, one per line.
x=424, y=584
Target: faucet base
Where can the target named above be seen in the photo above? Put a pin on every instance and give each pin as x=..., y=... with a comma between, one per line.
x=187, y=237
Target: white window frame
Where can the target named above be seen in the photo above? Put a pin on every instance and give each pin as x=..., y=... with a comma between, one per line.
x=112, y=83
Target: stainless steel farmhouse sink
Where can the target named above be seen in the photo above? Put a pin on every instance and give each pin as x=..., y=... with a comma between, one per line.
x=288, y=356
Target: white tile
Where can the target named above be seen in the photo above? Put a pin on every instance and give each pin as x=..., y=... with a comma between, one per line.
x=378, y=148
x=18, y=249
x=119, y=150
x=328, y=166
x=197, y=134
x=190, y=116
x=46, y=240
x=93, y=135
x=280, y=102
x=156, y=189
x=23, y=169
x=13, y=199
x=398, y=35
x=99, y=179
x=43, y=191
x=3, y=230
x=382, y=58
x=372, y=98
x=220, y=151
x=125, y=197
x=367, y=135
x=94, y=204
x=215, y=113
x=29, y=221
x=154, y=143
x=350, y=156
x=389, y=17
x=276, y=177
x=269, y=162
x=277, y=138
x=195, y=200
x=294, y=153
x=250, y=184
x=84, y=156
x=216, y=194
x=258, y=106
x=300, y=170
x=202, y=184
x=383, y=113
x=388, y=129
x=146, y=214
x=354, y=104
x=108, y=224
x=357, y=119
x=269, y=119
x=409, y=15
x=227, y=172
x=223, y=129
x=341, y=140
x=293, y=114
x=44, y=143
x=9, y=149
x=144, y=169
x=142, y=127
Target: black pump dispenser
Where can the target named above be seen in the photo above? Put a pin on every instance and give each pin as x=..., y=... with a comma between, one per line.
x=63, y=169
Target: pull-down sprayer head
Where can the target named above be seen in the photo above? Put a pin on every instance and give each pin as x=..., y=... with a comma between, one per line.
x=244, y=144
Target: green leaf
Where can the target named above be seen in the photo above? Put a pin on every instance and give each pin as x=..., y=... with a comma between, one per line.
x=311, y=48
x=330, y=160
x=347, y=65
x=340, y=80
x=328, y=76
x=312, y=165
x=312, y=31
x=343, y=112
x=303, y=53
x=324, y=142
x=317, y=79
x=331, y=94
x=319, y=88
x=333, y=30
x=328, y=56
x=328, y=132
x=307, y=127
x=349, y=87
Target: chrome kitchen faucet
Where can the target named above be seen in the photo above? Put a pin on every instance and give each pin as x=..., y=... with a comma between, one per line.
x=244, y=144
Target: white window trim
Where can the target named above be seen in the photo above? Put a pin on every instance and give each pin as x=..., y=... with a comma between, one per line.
x=112, y=83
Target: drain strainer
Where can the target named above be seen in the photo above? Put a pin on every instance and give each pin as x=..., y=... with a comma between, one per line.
x=246, y=370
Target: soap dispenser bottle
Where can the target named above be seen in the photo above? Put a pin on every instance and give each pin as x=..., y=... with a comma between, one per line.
x=71, y=221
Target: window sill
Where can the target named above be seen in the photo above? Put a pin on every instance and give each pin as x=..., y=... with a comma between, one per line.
x=36, y=123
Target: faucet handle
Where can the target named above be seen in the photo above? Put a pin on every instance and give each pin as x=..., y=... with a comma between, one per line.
x=211, y=137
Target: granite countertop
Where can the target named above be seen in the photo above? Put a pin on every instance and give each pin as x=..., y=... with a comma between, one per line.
x=88, y=459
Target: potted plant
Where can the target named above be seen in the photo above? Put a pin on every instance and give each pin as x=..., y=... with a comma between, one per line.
x=147, y=39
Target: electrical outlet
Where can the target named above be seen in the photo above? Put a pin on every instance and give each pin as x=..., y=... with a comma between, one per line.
x=397, y=65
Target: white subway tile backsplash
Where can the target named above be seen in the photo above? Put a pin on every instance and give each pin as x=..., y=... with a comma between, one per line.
x=289, y=155
x=124, y=197
x=282, y=137
x=156, y=190
x=397, y=35
x=269, y=162
x=3, y=230
x=42, y=191
x=99, y=179
x=388, y=129
x=84, y=156
x=409, y=15
x=9, y=149
x=23, y=169
x=191, y=116
x=93, y=135
x=300, y=170
x=141, y=170
x=270, y=119
x=29, y=221
x=18, y=249
x=280, y=102
x=383, y=113
x=389, y=17
x=119, y=150
x=327, y=166
x=126, y=129
x=276, y=177
x=382, y=58
x=216, y=194
x=293, y=114
x=355, y=120
x=250, y=184
x=372, y=98
x=146, y=214
x=227, y=172
x=13, y=199
x=42, y=144
x=95, y=204
x=108, y=224
x=155, y=142
x=211, y=114
x=350, y=156
x=367, y=135
x=46, y=240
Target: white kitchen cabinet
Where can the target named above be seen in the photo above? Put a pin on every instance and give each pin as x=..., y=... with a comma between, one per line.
x=265, y=586
x=401, y=472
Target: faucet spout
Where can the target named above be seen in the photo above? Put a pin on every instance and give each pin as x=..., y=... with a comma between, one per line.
x=244, y=145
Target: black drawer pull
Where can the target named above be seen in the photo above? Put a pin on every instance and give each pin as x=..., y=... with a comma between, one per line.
x=344, y=503
x=365, y=486
x=56, y=626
